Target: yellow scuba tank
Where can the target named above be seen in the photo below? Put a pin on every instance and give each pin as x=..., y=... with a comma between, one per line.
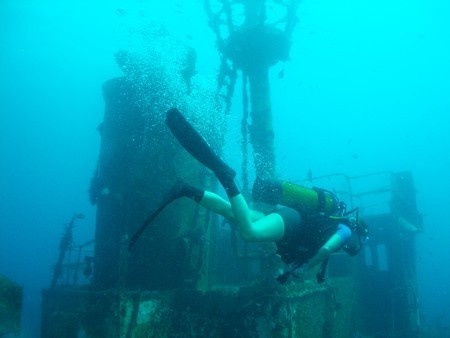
x=295, y=196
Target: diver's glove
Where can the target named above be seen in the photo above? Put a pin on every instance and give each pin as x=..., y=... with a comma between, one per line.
x=295, y=271
x=320, y=277
x=283, y=277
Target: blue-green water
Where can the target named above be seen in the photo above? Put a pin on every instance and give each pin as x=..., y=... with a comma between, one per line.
x=366, y=89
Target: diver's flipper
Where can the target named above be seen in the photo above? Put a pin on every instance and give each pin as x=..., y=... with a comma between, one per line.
x=177, y=191
x=196, y=145
x=144, y=225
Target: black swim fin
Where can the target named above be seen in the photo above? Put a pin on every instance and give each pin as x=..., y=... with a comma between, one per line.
x=196, y=145
x=147, y=222
x=178, y=190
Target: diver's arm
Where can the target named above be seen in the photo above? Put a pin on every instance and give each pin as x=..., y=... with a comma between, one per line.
x=332, y=245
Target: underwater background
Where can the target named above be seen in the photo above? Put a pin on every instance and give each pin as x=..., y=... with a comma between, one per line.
x=366, y=90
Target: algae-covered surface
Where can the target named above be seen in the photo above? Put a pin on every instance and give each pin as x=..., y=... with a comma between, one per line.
x=10, y=306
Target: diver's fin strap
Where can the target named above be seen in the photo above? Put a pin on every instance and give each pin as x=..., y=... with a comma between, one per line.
x=320, y=199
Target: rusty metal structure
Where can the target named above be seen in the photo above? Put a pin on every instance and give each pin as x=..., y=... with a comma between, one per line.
x=250, y=39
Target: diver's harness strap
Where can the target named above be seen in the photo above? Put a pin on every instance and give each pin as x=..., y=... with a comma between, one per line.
x=320, y=199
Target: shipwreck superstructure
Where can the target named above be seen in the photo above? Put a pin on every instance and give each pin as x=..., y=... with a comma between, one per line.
x=189, y=275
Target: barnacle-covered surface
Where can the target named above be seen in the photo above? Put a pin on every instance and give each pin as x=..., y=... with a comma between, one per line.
x=299, y=310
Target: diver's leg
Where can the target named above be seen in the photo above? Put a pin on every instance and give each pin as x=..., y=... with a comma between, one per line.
x=253, y=225
x=217, y=204
x=269, y=228
x=181, y=189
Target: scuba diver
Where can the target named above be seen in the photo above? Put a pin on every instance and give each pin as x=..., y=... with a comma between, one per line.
x=307, y=225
